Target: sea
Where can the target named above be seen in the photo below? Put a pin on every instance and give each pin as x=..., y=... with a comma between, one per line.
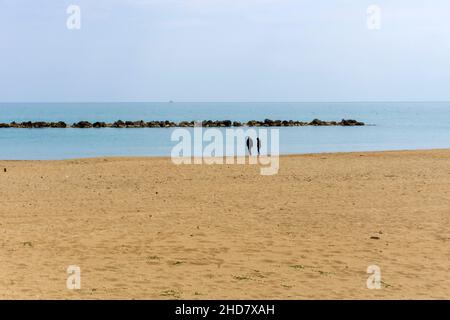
x=389, y=126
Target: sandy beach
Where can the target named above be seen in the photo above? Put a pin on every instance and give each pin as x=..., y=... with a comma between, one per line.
x=144, y=228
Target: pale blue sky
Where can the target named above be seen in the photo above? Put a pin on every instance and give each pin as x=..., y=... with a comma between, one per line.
x=224, y=50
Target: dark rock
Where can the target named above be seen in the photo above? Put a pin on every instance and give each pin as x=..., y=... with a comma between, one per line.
x=226, y=123
x=40, y=124
x=350, y=122
x=153, y=124
x=99, y=125
x=118, y=124
x=135, y=124
x=316, y=122
x=184, y=124
x=27, y=124
x=207, y=123
x=59, y=124
x=169, y=124
x=140, y=124
x=82, y=125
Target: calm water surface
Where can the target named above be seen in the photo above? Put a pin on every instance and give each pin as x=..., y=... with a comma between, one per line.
x=393, y=126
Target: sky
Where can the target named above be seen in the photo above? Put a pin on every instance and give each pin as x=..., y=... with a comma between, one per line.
x=224, y=50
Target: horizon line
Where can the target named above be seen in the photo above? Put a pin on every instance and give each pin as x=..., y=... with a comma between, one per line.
x=173, y=101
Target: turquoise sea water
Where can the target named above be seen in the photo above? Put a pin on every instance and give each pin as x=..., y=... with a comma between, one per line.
x=392, y=126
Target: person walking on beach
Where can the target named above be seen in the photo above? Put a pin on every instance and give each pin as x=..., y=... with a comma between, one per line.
x=258, y=145
x=249, y=143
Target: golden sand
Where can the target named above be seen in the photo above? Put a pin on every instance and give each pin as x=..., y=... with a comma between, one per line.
x=145, y=228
